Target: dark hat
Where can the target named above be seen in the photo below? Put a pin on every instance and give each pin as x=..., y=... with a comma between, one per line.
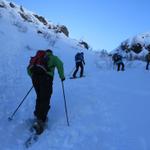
x=49, y=50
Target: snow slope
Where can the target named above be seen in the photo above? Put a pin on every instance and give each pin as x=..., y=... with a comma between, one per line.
x=108, y=110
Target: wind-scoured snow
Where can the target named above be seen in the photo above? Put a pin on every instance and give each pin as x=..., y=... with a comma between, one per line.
x=108, y=110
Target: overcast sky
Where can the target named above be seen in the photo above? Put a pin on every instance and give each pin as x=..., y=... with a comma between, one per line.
x=102, y=23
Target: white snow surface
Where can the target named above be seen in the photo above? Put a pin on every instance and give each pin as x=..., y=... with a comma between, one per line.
x=108, y=110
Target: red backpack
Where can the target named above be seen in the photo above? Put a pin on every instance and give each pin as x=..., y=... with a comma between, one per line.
x=38, y=63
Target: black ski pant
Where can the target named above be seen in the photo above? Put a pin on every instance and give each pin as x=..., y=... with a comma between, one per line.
x=43, y=88
x=122, y=66
x=147, y=65
x=79, y=65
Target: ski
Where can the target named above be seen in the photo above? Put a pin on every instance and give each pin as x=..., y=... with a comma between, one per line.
x=76, y=77
x=33, y=138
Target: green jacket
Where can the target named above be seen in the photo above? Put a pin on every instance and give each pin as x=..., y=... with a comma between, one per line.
x=53, y=62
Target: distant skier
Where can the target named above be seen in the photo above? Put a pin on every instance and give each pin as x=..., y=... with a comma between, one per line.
x=79, y=60
x=117, y=58
x=148, y=61
x=41, y=70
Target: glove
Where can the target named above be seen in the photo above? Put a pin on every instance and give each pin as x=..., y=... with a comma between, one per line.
x=63, y=79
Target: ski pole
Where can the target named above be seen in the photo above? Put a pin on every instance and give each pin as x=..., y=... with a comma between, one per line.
x=65, y=104
x=71, y=71
x=11, y=117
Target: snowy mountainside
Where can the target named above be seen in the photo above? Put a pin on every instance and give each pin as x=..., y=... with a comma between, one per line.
x=25, y=15
x=135, y=48
x=19, y=41
x=107, y=110
x=23, y=37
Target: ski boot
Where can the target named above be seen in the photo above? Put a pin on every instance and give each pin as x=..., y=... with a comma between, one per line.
x=38, y=126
